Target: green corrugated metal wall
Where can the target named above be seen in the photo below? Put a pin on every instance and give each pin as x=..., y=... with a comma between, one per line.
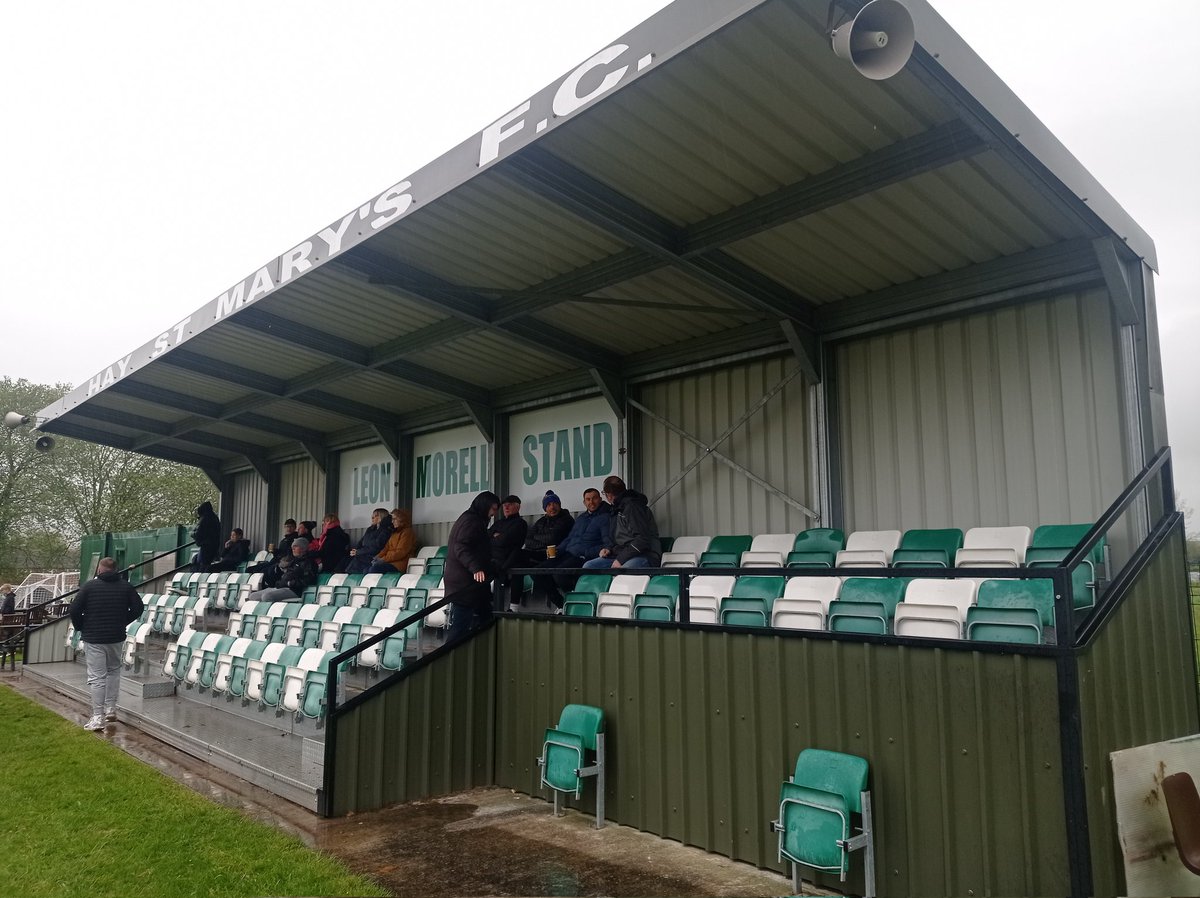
x=131, y=548
x=704, y=727
x=429, y=734
x=1136, y=687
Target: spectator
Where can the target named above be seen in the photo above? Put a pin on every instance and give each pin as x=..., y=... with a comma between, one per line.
x=469, y=566
x=307, y=529
x=633, y=534
x=235, y=553
x=101, y=610
x=207, y=536
x=331, y=547
x=373, y=540
x=283, y=549
x=400, y=545
x=548, y=530
x=296, y=574
x=587, y=537
x=505, y=539
x=10, y=599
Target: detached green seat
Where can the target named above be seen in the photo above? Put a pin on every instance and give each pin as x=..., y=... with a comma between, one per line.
x=928, y=548
x=581, y=601
x=1017, y=611
x=659, y=599
x=816, y=548
x=1052, y=543
x=750, y=603
x=725, y=551
x=817, y=807
x=565, y=750
x=866, y=605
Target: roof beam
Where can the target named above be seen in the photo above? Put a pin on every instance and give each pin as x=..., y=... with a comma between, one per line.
x=108, y=438
x=1053, y=270
x=938, y=147
x=544, y=174
x=1116, y=279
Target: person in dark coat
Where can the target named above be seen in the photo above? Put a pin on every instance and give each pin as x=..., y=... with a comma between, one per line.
x=374, y=538
x=588, y=536
x=207, y=536
x=235, y=553
x=506, y=536
x=101, y=610
x=294, y=575
x=469, y=566
x=548, y=530
x=633, y=534
x=330, y=549
x=9, y=603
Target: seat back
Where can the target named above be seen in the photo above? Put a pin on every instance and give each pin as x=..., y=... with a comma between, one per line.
x=593, y=583
x=725, y=551
x=628, y=584
x=869, y=548
x=685, y=551
x=959, y=594
x=886, y=591
x=817, y=547
x=993, y=547
x=754, y=587
x=1059, y=536
x=1035, y=594
x=833, y=771
x=768, y=550
x=584, y=721
x=928, y=548
x=816, y=589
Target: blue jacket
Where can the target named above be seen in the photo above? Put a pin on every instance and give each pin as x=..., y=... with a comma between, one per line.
x=590, y=533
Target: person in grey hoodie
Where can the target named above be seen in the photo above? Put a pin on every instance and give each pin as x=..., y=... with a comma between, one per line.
x=101, y=610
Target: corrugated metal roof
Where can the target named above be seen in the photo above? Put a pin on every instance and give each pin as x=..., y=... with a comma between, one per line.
x=745, y=177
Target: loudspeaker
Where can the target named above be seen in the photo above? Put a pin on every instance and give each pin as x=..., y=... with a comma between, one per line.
x=44, y=444
x=15, y=419
x=878, y=41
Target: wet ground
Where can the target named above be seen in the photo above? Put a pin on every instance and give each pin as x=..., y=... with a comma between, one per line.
x=483, y=842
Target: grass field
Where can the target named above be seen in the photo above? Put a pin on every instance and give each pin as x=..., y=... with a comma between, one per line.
x=80, y=817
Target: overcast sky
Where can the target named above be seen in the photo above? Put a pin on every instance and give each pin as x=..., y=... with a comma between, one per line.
x=160, y=152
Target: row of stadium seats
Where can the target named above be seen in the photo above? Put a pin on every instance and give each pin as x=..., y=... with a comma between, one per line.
x=824, y=547
x=328, y=627
x=271, y=675
x=1019, y=611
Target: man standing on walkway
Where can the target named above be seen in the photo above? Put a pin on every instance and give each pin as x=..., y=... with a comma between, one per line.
x=102, y=609
x=469, y=567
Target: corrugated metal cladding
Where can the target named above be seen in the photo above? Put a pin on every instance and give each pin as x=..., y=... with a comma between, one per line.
x=703, y=727
x=1002, y=418
x=773, y=444
x=1137, y=686
x=48, y=643
x=301, y=491
x=429, y=734
x=435, y=534
x=249, y=509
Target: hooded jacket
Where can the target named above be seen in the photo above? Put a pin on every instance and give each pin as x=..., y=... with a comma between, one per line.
x=207, y=532
x=400, y=544
x=236, y=552
x=104, y=607
x=374, y=538
x=468, y=549
x=633, y=531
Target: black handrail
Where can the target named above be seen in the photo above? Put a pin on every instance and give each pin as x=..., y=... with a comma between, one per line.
x=1128, y=495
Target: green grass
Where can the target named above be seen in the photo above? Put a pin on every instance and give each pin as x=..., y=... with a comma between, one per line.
x=80, y=817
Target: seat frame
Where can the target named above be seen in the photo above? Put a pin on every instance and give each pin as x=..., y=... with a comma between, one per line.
x=596, y=769
x=863, y=840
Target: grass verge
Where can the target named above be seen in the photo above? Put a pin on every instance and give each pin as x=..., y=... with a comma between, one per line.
x=80, y=817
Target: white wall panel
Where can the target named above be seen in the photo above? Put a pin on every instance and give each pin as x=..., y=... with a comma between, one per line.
x=301, y=491
x=773, y=444
x=249, y=509
x=1007, y=417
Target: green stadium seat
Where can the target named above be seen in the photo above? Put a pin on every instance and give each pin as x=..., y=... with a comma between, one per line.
x=817, y=547
x=581, y=601
x=237, y=649
x=565, y=750
x=928, y=548
x=1052, y=543
x=818, y=807
x=749, y=604
x=274, y=673
x=211, y=657
x=866, y=605
x=239, y=668
x=278, y=627
x=310, y=630
x=725, y=551
x=657, y=601
x=1019, y=611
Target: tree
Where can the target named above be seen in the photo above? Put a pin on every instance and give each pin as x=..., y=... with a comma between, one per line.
x=50, y=500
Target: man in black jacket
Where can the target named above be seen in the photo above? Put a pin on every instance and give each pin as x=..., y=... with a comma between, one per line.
x=235, y=553
x=633, y=535
x=469, y=567
x=505, y=538
x=207, y=534
x=101, y=611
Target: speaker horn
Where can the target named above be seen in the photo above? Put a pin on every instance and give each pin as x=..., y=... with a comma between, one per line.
x=878, y=41
x=15, y=419
x=44, y=444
